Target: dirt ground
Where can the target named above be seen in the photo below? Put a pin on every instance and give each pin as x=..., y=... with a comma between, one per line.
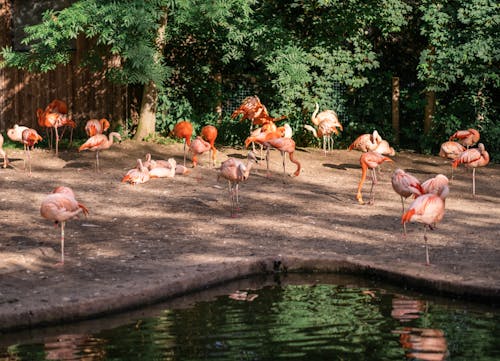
x=146, y=242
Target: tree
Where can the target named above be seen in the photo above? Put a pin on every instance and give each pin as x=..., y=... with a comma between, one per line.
x=131, y=31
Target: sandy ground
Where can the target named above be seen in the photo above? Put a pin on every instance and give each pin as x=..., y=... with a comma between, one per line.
x=143, y=243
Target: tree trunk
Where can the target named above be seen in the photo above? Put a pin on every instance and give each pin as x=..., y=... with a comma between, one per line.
x=149, y=103
x=395, y=109
x=430, y=108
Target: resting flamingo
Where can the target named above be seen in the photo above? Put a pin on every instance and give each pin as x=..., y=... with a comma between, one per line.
x=2, y=153
x=473, y=158
x=209, y=133
x=198, y=146
x=369, y=160
x=184, y=130
x=434, y=185
x=451, y=150
x=59, y=207
x=235, y=171
x=405, y=185
x=384, y=148
x=137, y=175
x=29, y=138
x=429, y=210
x=467, y=137
x=366, y=142
x=99, y=142
x=96, y=126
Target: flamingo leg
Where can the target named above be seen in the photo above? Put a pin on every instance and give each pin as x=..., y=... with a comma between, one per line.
x=28, y=155
x=62, y=242
x=283, y=156
x=231, y=196
x=184, y=152
x=57, y=141
x=267, y=162
x=374, y=181
x=236, y=188
x=426, y=247
x=324, y=144
x=97, y=161
x=474, y=181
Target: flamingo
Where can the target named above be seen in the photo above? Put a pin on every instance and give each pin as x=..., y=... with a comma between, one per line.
x=137, y=175
x=157, y=171
x=384, y=148
x=429, y=210
x=366, y=142
x=160, y=163
x=198, y=146
x=284, y=145
x=434, y=185
x=94, y=126
x=59, y=207
x=467, y=137
x=99, y=142
x=16, y=133
x=55, y=116
x=451, y=150
x=209, y=133
x=473, y=158
x=235, y=171
x=369, y=160
x=2, y=153
x=327, y=123
x=184, y=129
x=405, y=185
x=252, y=109
x=426, y=344
x=29, y=138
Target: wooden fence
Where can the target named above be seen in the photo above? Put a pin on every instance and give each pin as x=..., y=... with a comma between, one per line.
x=88, y=94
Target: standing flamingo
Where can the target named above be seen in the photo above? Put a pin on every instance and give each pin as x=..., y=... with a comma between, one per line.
x=198, y=146
x=235, y=172
x=467, y=137
x=184, y=129
x=369, y=160
x=451, y=150
x=16, y=133
x=55, y=116
x=327, y=123
x=473, y=158
x=2, y=153
x=209, y=133
x=366, y=142
x=137, y=175
x=29, y=138
x=284, y=145
x=405, y=185
x=429, y=210
x=99, y=142
x=94, y=126
x=435, y=185
x=59, y=207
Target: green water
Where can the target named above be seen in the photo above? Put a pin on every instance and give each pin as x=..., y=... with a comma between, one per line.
x=343, y=318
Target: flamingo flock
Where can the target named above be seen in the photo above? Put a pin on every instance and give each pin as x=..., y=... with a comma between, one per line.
x=427, y=206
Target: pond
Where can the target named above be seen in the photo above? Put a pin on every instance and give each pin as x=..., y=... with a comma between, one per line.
x=297, y=317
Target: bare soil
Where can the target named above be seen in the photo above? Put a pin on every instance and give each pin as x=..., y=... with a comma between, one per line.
x=146, y=242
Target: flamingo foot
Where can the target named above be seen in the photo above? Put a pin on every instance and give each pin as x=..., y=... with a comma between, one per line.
x=59, y=264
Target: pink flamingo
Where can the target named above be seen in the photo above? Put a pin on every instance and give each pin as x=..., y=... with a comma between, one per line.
x=366, y=142
x=284, y=145
x=435, y=185
x=184, y=130
x=467, y=137
x=99, y=142
x=429, y=210
x=59, y=207
x=405, y=185
x=369, y=160
x=29, y=138
x=2, y=153
x=451, y=150
x=198, y=146
x=137, y=175
x=209, y=133
x=473, y=158
x=94, y=126
x=235, y=171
